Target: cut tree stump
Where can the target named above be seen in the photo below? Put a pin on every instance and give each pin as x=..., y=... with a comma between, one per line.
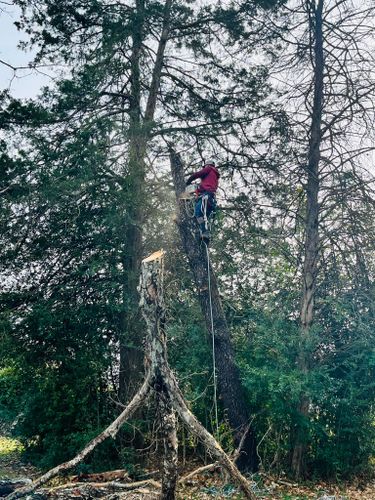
x=161, y=380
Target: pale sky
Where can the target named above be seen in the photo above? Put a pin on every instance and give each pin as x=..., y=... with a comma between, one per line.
x=23, y=83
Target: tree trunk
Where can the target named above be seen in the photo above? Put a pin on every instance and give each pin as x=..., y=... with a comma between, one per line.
x=227, y=372
x=130, y=340
x=154, y=313
x=311, y=241
x=168, y=433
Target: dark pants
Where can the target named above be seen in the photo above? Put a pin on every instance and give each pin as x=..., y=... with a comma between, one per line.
x=204, y=207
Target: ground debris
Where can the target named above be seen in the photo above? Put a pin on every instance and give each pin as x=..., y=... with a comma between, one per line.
x=211, y=486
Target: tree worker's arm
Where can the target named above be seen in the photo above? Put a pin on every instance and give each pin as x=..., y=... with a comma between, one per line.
x=201, y=174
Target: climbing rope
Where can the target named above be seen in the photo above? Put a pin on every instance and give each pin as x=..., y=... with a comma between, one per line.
x=213, y=339
x=204, y=210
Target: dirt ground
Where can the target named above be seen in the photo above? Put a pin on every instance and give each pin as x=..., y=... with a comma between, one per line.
x=208, y=486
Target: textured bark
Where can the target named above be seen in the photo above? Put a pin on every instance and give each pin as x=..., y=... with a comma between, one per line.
x=168, y=432
x=110, y=490
x=202, y=434
x=153, y=309
x=227, y=372
x=311, y=238
x=130, y=361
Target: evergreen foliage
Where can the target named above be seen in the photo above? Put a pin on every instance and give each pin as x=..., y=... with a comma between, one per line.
x=72, y=189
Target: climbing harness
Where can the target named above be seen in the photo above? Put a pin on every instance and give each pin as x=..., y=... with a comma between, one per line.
x=213, y=338
x=207, y=221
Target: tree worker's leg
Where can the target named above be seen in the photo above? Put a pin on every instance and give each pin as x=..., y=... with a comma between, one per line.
x=199, y=215
x=211, y=205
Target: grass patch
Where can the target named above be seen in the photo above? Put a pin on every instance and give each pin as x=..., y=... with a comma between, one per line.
x=9, y=447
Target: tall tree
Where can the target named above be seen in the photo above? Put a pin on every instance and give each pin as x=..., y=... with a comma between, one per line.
x=228, y=374
x=148, y=91
x=328, y=100
x=311, y=244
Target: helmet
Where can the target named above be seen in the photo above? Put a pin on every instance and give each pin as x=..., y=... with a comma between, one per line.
x=210, y=161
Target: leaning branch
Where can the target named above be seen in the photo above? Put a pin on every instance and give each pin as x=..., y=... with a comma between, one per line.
x=110, y=431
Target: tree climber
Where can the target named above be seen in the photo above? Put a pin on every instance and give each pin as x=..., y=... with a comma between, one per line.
x=205, y=201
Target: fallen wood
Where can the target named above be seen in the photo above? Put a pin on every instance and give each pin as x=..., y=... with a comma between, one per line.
x=286, y=483
x=148, y=494
x=200, y=470
x=112, y=475
x=110, y=431
x=9, y=485
x=112, y=485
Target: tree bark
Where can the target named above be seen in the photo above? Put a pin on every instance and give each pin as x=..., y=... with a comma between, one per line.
x=311, y=256
x=227, y=372
x=130, y=360
x=168, y=433
x=154, y=315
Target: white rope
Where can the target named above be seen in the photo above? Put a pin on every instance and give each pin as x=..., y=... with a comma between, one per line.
x=213, y=340
x=204, y=210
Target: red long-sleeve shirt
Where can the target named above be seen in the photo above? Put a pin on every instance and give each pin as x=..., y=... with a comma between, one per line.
x=210, y=179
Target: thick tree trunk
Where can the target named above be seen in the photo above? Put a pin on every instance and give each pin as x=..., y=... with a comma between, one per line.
x=227, y=372
x=311, y=240
x=130, y=340
x=168, y=433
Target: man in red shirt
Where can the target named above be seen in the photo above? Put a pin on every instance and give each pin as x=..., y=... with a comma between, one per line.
x=206, y=190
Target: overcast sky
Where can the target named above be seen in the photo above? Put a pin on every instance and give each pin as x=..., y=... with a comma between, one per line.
x=23, y=83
